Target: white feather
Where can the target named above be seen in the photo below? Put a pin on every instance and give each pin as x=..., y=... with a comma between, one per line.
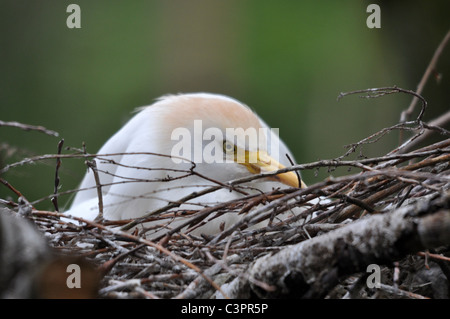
x=135, y=187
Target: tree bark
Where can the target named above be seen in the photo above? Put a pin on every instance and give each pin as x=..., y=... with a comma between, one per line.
x=313, y=267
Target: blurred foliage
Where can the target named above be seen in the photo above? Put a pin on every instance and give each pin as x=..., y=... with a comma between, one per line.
x=288, y=60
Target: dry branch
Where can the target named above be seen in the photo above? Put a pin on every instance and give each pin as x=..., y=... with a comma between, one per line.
x=309, y=269
x=27, y=127
x=431, y=67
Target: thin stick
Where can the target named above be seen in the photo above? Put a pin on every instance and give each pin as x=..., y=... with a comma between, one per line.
x=435, y=256
x=93, y=166
x=27, y=127
x=377, y=92
x=14, y=190
x=431, y=67
x=54, y=199
x=438, y=122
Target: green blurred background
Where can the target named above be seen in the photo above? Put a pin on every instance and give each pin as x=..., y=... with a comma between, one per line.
x=286, y=59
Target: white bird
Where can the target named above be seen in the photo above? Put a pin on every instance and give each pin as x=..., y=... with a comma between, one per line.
x=196, y=127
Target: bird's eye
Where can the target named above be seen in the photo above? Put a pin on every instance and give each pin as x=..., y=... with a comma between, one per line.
x=229, y=148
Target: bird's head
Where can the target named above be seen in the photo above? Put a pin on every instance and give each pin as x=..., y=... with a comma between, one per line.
x=223, y=137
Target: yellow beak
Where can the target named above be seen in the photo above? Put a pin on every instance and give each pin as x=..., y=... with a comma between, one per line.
x=263, y=163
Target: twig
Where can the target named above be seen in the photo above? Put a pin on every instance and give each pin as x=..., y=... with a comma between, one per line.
x=400, y=292
x=93, y=166
x=14, y=190
x=54, y=199
x=435, y=256
x=441, y=121
x=377, y=92
x=431, y=67
x=169, y=206
x=27, y=127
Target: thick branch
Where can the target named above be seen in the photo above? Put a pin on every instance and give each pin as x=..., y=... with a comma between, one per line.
x=313, y=267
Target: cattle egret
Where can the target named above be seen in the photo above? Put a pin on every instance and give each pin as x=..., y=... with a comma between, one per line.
x=148, y=163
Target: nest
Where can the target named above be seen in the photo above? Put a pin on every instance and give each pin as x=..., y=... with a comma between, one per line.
x=357, y=215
